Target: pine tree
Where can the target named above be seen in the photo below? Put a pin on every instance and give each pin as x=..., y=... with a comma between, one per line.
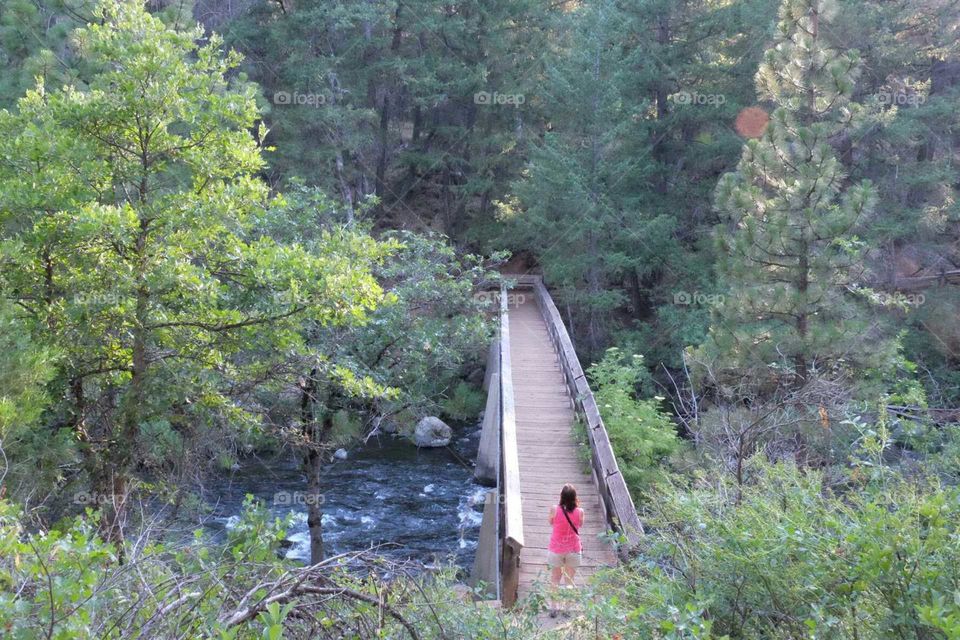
x=790, y=254
x=617, y=194
x=571, y=192
x=397, y=114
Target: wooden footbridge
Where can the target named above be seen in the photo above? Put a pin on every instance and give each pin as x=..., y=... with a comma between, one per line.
x=536, y=392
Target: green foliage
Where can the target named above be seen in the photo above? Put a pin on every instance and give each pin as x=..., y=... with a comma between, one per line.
x=33, y=39
x=390, y=85
x=789, y=559
x=346, y=428
x=465, y=402
x=25, y=370
x=429, y=332
x=28, y=455
x=273, y=619
x=603, y=204
x=65, y=584
x=584, y=455
x=130, y=217
x=641, y=435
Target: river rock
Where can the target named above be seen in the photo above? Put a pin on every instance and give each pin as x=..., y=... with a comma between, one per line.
x=432, y=432
x=340, y=454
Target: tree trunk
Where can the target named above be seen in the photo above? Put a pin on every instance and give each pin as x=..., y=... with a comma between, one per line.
x=117, y=459
x=385, y=113
x=639, y=298
x=659, y=150
x=803, y=279
x=803, y=283
x=314, y=439
x=313, y=466
x=380, y=186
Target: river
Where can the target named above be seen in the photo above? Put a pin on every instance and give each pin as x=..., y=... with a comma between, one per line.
x=421, y=504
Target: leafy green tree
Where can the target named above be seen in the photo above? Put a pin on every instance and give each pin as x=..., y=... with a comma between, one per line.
x=789, y=251
x=687, y=72
x=130, y=209
x=34, y=43
x=910, y=75
x=615, y=200
x=407, y=360
x=912, y=78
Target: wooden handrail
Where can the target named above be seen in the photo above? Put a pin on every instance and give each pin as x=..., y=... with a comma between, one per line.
x=510, y=466
x=620, y=510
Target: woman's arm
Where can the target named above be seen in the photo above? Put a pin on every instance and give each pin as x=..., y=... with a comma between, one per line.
x=553, y=513
x=583, y=516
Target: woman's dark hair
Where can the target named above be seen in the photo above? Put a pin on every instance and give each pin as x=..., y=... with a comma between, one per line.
x=568, y=498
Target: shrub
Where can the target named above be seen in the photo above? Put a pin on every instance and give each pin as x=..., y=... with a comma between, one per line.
x=465, y=403
x=66, y=584
x=791, y=559
x=641, y=435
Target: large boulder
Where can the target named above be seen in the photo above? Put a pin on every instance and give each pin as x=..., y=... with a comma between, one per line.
x=432, y=432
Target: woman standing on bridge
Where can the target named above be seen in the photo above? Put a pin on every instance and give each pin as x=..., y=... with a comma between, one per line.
x=563, y=552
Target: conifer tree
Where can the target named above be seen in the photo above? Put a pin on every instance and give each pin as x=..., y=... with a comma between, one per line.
x=570, y=189
x=790, y=255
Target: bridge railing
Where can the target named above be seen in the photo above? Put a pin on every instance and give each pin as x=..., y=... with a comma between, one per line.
x=620, y=510
x=512, y=519
x=497, y=562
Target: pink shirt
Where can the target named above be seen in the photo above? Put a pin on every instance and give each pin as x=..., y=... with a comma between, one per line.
x=563, y=539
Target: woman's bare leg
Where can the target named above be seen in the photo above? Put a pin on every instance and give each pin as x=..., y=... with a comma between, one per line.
x=555, y=576
x=568, y=573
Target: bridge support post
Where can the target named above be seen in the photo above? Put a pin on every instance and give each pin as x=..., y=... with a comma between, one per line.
x=493, y=365
x=488, y=454
x=510, y=573
x=486, y=571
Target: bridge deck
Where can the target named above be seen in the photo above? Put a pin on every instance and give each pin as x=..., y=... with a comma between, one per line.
x=547, y=452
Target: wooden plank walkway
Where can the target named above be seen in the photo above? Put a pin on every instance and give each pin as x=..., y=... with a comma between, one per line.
x=548, y=455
